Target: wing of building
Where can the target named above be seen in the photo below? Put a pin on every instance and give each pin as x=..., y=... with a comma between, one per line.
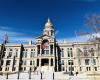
x=47, y=54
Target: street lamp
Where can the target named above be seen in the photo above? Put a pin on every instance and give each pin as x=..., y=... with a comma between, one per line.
x=30, y=73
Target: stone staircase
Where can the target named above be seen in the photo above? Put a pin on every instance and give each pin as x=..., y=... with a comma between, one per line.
x=46, y=69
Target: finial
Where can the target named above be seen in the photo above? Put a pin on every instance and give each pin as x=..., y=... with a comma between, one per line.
x=49, y=19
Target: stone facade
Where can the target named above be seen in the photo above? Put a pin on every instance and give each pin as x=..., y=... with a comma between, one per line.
x=48, y=53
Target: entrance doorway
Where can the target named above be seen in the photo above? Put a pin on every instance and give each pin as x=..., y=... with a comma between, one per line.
x=44, y=62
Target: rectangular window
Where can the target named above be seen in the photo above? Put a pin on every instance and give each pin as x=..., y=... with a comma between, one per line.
x=69, y=52
x=24, y=68
x=80, y=68
x=47, y=51
x=92, y=51
x=30, y=62
x=88, y=68
x=14, y=68
x=7, y=69
x=70, y=62
x=15, y=62
x=62, y=62
x=95, y=68
x=9, y=55
x=32, y=54
x=94, y=61
x=16, y=54
x=62, y=52
x=79, y=61
x=38, y=49
x=24, y=54
x=8, y=62
x=85, y=51
x=51, y=49
x=24, y=62
x=86, y=61
x=51, y=62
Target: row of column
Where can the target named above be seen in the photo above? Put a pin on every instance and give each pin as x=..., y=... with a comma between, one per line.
x=50, y=62
x=39, y=49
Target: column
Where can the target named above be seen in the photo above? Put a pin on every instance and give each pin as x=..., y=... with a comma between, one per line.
x=40, y=51
x=4, y=65
x=49, y=50
x=35, y=62
x=53, y=50
x=39, y=62
x=49, y=62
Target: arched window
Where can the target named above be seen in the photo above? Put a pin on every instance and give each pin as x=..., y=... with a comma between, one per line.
x=45, y=46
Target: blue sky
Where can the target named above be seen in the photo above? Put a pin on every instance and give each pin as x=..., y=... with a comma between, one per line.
x=25, y=19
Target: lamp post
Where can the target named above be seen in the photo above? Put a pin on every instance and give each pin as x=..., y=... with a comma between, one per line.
x=30, y=73
x=41, y=75
x=19, y=70
x=53, y=75
x=7, y=76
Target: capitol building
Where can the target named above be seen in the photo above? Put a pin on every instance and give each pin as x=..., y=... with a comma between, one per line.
x=47, y=54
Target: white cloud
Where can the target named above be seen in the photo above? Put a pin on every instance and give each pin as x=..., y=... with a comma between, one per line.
x=75, y=39
x=18, y=37
x=84, y=38
x=23, y=39
x=56, y=32
x=13, y=35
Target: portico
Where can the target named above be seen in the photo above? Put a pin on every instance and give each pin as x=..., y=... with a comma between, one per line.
x=45, y=62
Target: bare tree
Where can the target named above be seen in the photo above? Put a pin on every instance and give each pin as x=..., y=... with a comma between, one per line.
x=92, y=22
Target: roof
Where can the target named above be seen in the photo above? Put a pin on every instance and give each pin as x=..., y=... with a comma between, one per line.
x=43, y=36
x=49, y=24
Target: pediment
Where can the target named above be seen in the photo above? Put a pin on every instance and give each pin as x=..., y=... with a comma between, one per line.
x=44, y=37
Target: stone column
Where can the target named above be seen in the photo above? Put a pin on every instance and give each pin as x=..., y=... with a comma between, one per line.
x=40, y=51
x=53, y=49
x=49, y=62
x=49, y=50
x=39, y=62
x=36, y=51
x=35, y=62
